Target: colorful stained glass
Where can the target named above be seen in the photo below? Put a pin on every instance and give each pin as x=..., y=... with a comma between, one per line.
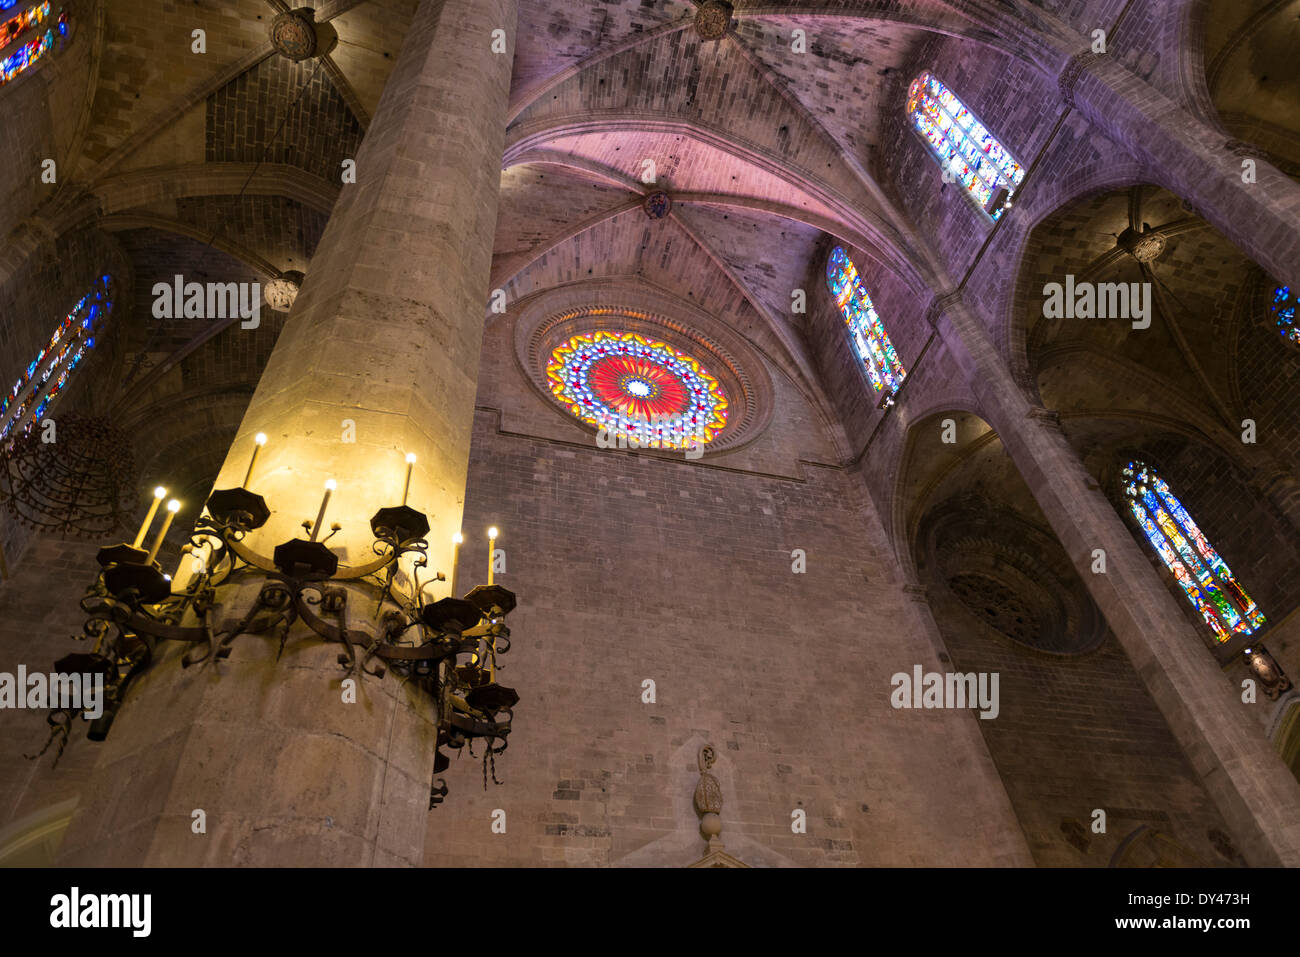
x=865, y=328
x=1284, y=304
x=26, y=54
x=1200, y=572
x=31, y=17
x=961, y=143
x=639, y=389
x=46, y=376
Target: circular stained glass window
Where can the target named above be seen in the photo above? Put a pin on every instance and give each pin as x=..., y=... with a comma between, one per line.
x=637, y=388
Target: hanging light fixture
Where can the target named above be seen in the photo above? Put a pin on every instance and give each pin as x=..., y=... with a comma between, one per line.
x=449, y=648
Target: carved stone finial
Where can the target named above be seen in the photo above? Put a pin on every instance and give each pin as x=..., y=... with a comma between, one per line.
x=708, y=796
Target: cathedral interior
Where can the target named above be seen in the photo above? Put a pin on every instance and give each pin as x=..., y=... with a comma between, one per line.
x=794, y=353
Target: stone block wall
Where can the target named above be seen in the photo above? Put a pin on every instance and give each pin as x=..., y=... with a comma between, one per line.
x=631, y=568
x=638, y=566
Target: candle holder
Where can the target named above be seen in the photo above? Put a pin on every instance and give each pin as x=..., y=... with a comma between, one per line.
x=375, y=612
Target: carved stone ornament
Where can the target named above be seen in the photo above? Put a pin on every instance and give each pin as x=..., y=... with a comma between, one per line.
x=1269, y=673
x=713, y=20
x=708, y=793
x=658, y=204
x=1145, y=246
x=294, y=35
x=281, y=293
x=1069, y=77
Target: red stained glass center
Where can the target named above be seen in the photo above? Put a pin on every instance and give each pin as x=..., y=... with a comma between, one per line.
x=636, y=387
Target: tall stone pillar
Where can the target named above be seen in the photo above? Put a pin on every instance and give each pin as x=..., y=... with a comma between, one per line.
x=1253, y=789
x=1193, y=160
x=379, y=358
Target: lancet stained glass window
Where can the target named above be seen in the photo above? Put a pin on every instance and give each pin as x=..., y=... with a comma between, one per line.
x=34, y=32
x=638, y=388
x=865, y=328
x=1284, y=304
x=962, y=144
x=46, y=377
x=1203, y=576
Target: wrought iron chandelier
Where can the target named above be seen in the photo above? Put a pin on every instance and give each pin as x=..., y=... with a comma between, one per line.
x=381, y=620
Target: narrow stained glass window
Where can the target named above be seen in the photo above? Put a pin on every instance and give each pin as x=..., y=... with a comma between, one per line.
x=26, y=36
x=46, y=377
x=1284, y=304
x=963, y=145
x=1203, y=576
x=866, y=331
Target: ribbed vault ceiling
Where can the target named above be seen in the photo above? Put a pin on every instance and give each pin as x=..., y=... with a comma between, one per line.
x=764, y=150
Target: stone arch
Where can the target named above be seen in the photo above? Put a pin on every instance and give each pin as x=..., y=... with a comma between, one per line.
x=1031, y=214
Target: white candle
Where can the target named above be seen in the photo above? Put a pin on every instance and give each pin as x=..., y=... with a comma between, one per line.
x=455, y=559
x=492, y=551
x=158, y=495
x=172, y=508
x=330, y=486
x=410, y=464
x=259, y=440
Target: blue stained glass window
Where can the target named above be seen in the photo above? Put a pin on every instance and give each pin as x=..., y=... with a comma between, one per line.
x=1284, y=303
x=23, y=405
x=866, y=331
x=1201, y=573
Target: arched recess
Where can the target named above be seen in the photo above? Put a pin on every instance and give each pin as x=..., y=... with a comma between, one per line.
x=1249, y=74
x=1039, y=224
x=1075, y=716
x=1196, y=349
x=1196, y=386
x=34, y=840
x=978, y=542
x=1188, y=47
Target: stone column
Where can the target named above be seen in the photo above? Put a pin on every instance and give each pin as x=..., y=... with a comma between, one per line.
x=1253, y=789
x=379, y=358
x=1193, y=160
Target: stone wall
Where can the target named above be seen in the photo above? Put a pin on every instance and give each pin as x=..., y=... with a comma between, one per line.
x=39, y=615
x=632, y=567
